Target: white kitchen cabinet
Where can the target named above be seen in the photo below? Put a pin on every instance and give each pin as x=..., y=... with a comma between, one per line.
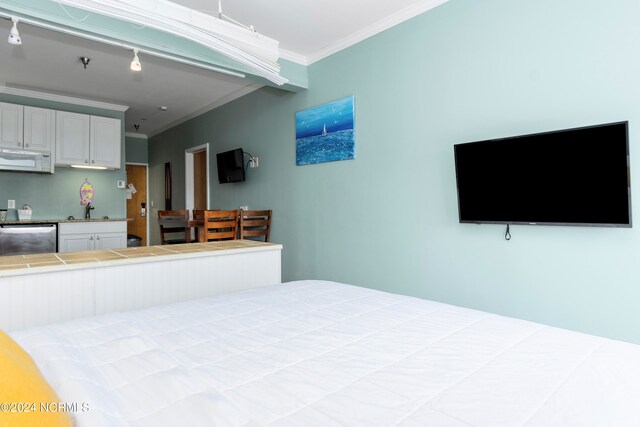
x=87, y=236
x=106, y=241
x=87, y=140
x=39, y=129
x=11, y=125
x=72, y=138
x=105, y=141
x=76, y=242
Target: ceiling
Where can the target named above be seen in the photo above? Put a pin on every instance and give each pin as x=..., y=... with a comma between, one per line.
x=308, y=27
x=307, y=30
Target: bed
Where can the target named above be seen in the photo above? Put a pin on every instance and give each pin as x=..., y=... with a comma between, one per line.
x=315, y=353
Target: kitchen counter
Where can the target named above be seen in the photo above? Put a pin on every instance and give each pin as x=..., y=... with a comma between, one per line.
x=61, y=221
x=39, y=263
x=49, y=288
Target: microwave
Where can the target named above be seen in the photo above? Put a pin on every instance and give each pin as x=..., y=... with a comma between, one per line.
x=25, y=161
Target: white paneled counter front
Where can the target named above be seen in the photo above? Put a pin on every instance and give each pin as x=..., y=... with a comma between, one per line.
x=94, y=235
x=49, y=288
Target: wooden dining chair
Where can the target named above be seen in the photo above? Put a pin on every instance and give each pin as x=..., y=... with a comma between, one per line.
x=255, y=224
x=219, y=225
x=173, y=222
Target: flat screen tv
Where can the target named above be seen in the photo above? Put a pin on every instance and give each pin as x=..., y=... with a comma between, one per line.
x=568, y=177
x=230, y=166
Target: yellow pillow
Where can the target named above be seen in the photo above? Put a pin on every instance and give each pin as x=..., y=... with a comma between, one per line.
x=23, y=389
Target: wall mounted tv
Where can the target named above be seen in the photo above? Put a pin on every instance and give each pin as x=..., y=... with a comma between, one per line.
x=568, y=177
x=230, y=166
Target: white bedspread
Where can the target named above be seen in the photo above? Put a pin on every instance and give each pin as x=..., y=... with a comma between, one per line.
x=325, y=354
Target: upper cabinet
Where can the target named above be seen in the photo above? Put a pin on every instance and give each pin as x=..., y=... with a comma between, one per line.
x=87, y=140
x=27, y=128
x=72, y=138
x=105, y=142
x=76, y=139
x=39, y=129
x=11, y=121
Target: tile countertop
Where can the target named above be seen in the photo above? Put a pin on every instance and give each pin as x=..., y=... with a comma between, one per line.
x=65, y=220
x=39, y=263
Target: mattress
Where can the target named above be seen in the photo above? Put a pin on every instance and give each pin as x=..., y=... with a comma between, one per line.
x=316, y=353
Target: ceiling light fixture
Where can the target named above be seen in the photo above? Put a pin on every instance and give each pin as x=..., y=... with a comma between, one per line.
x=235, y=41
x=85, y=61
x=14, y=35
x=163, y=108
x=135, y=64
x=89, y=167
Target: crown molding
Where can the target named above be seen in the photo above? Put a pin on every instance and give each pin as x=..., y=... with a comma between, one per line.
x=135, y=135
x=29, y=93
x=294, y=57
x=218, y=103
x=360, y=35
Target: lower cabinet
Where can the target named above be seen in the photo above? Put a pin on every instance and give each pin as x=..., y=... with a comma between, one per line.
x=87, y=236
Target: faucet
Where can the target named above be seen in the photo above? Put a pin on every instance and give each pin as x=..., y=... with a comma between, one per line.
x=87, y=212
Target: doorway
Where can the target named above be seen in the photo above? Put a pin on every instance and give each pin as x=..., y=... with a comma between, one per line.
x=137, y=208
x=197, y=178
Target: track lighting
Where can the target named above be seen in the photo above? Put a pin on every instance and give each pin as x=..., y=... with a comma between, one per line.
x=220, y=33
x=135, y=64
x=14, y=35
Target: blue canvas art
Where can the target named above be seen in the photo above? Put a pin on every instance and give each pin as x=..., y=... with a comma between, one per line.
x=326, y=133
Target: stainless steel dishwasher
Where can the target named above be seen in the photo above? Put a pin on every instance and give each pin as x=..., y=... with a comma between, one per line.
x=24, y=239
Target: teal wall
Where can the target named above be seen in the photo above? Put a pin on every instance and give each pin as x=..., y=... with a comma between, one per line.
x=464, y=71
x=58, y=196
x=136, y=150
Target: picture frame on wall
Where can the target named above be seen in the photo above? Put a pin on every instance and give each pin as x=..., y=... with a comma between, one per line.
x=326, y=133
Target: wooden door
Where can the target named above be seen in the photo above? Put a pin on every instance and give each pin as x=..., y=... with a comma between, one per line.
x=137, y=175
x=200, y=180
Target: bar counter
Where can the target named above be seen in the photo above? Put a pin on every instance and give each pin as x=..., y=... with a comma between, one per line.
x=39, y=263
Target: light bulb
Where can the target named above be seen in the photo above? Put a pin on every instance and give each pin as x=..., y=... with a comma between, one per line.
x=135, y=64
x=14, y=35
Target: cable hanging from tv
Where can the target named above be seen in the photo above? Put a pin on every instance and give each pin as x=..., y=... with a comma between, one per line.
x=252, y=162
x=507, y=234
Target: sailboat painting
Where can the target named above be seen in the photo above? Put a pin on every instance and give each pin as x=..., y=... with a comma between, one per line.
x=326, y=133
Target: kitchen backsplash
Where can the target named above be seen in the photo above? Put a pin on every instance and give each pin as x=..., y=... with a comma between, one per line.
x=58, y=196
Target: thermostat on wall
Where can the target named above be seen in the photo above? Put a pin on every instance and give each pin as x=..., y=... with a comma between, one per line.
x=120, y=184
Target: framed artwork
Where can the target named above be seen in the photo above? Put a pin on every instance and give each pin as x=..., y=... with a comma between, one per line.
x=326, y=133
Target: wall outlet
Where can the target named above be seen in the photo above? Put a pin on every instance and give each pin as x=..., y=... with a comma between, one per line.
x=254, y=162
x=120, y=184
x=244, y=208
x=11, y=204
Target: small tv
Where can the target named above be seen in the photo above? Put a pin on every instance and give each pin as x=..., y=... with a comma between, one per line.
x=568, y=177
x=230, y=166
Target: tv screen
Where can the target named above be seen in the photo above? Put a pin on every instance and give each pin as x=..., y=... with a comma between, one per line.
x=569, y=177
x=230, y=166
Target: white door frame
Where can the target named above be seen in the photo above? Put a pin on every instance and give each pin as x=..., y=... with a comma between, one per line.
x=188, y=178
x=147, y=203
